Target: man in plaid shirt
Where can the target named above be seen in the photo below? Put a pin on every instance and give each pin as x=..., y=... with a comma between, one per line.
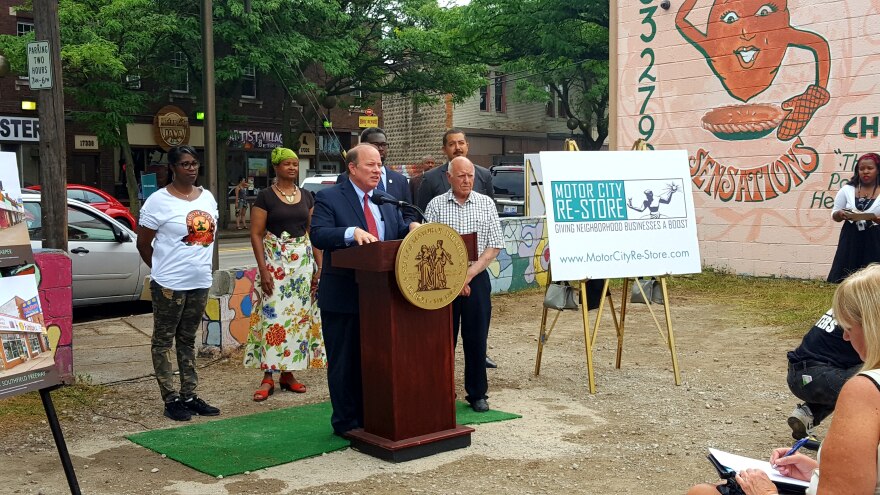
x=468, y=211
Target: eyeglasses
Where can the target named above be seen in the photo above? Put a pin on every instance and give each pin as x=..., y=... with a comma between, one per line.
x=188, y=165
x=383, y=144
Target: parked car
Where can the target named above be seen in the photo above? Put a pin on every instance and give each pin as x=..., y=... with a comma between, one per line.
x=509, y=184
x=100, y=200
x=106, y=264
x=317, y=182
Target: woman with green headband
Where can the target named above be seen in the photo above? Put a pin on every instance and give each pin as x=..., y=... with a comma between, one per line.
x=285, y=332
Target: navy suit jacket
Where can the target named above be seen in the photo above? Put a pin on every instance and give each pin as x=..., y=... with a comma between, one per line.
x=336, y=209
x=435, y=182
x=396, y=185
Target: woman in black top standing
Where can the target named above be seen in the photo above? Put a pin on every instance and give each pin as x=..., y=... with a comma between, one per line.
x=859, y=243
x=285, y=323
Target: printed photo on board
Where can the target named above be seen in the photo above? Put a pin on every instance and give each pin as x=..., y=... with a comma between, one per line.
x=27, y=360
x=15, y=246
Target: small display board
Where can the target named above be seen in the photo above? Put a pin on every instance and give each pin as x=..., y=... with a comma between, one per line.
x=616, y=214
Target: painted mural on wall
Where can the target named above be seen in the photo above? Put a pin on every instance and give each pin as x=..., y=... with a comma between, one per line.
x=522, y=264
x=773, y=100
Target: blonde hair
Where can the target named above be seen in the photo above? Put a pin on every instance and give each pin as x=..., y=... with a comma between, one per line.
x=857, y=302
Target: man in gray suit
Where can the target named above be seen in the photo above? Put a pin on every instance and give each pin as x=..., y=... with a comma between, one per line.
x=435, y=181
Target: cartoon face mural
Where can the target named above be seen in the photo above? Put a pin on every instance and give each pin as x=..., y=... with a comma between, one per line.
x=745, y=42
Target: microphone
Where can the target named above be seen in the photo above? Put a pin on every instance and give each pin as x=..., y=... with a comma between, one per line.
x=381, y=198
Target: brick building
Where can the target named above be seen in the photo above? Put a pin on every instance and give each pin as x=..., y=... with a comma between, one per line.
x=498, y=129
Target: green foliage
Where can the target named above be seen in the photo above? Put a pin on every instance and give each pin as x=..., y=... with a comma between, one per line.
x=548, y=47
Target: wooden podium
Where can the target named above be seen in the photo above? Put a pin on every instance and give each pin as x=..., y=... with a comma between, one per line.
x=407, y=363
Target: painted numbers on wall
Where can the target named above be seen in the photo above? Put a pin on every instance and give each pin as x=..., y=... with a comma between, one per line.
x=646, y=78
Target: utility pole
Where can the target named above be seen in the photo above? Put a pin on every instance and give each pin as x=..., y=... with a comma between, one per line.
x=210, y=114
x=50, y=108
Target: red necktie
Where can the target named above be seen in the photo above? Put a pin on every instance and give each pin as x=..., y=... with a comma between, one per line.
x=371, y=220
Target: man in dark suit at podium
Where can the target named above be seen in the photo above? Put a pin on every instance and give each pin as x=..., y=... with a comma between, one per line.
x=393, y=183
x=466, y=211
x=344, y=216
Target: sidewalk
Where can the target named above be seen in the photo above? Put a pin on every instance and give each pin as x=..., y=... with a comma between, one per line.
x=114, y=349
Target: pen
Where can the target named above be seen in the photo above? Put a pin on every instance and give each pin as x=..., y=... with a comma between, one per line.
x=794, y=448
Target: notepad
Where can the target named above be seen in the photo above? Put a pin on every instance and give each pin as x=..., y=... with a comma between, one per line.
x=737, y=463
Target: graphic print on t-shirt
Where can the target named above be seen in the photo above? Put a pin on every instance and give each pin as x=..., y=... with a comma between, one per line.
x=200, y=227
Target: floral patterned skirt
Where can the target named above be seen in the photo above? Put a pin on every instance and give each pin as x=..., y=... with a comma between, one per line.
x=285, y=331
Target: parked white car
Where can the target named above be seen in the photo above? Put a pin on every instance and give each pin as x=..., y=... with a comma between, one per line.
x=106, y=264
x=317, y=182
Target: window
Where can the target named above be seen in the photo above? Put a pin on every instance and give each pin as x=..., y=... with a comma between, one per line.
x=76, y=194
x=500, y=97
x=90, y=198
x=249, y=83
x=133, y=81
x=181, y=77
x=555, y=104
x=23, y=27
x=484, y=98
x=82, y=226
x=34, y=340
x=14, y=347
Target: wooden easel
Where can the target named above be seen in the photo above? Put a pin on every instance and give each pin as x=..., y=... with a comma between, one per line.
x=668, y=338
x=590, y=337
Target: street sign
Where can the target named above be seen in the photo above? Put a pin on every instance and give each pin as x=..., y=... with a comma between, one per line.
x=39, y=65
x=364, y=121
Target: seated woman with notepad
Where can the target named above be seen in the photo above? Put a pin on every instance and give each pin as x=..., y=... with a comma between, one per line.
x=848, y=457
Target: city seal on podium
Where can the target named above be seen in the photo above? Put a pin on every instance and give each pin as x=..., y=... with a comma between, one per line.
x=431, y=266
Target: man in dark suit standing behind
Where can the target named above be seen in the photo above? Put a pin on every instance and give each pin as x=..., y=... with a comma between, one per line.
x=345, y=216
x=393, y=183
x=435, y=182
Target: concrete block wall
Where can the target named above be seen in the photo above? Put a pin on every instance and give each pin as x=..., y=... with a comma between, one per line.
x=522, y=264
x=412, y=131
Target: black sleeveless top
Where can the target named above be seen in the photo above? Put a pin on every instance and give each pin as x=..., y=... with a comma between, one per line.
x=282, y=217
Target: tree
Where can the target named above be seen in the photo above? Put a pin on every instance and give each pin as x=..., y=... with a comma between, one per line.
x=548, y=47
x=104, y=44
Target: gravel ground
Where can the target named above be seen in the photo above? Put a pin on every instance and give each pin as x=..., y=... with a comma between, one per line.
x=639, y=434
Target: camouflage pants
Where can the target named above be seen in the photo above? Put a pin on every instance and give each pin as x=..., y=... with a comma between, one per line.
x=176, y=318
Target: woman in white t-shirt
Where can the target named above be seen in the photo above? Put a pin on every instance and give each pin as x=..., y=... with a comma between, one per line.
x=176, y=233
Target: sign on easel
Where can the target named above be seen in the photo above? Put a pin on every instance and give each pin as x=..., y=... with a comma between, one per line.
x=619, y=214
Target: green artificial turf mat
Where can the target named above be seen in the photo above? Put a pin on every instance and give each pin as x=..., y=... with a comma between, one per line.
x=256, y=441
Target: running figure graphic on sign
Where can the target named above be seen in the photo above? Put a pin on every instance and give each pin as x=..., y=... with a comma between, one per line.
x=652, y=203
x=744, y=43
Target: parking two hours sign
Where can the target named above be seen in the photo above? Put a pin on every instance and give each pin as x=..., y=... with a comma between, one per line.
x=39, y=65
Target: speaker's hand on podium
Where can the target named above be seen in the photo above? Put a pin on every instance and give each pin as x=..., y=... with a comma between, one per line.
x=414, y=226
x=465, y=291
x=361, y=236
